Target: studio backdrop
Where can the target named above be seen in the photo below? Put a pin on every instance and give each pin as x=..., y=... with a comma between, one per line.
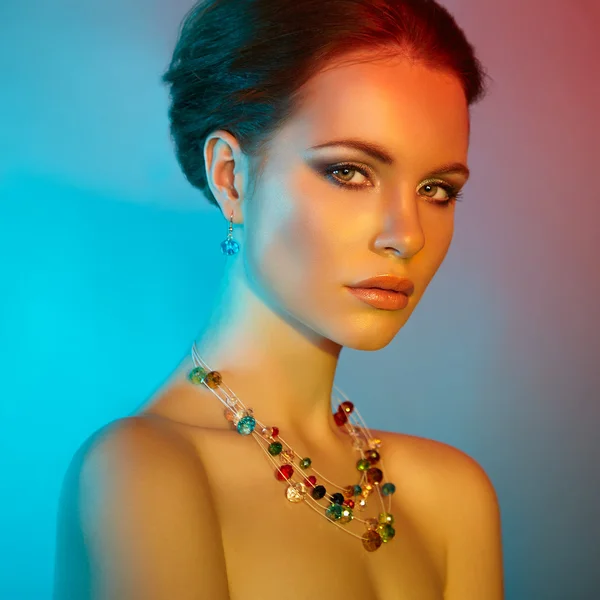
x=107, y=254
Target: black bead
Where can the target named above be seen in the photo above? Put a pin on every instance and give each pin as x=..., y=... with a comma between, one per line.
x=318, y=492
x=337, y=498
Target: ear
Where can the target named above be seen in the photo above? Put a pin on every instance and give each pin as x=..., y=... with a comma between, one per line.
x=227, y=173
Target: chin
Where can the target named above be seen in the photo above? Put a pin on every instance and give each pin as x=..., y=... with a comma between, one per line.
x=370, y=345
x=369, y=338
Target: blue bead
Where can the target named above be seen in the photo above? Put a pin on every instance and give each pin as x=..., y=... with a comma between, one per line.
x=357, y=490
x=387, y=489
x=334, y=512
x=230, y=247
x=246, y=425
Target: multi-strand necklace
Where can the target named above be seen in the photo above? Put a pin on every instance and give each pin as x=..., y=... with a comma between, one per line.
x=303, y=482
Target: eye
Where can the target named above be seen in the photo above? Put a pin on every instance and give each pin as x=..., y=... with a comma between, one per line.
x=452, y=193
x=339, y=175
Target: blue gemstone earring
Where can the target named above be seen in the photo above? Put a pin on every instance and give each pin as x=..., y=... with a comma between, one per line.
x=229, y=246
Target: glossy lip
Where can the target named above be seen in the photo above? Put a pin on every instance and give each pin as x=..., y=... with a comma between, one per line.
x=383, y=299
x=387, y=282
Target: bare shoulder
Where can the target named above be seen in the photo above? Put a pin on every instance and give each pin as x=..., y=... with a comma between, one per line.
x=438, y=459
x=138, y=496
x=432, y=462
x=461, y=501
x=420, y=464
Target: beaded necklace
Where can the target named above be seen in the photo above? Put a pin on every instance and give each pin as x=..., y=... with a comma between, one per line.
x=301, y=487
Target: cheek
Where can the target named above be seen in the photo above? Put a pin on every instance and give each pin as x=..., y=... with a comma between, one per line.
x=292, y=242
x=439, y=234
x=438, y=237
x=308, y=236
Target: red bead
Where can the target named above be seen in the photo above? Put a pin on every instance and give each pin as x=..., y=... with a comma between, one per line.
x=346, y=407
x=284, y=472
x=349, y=503
x=311, y=480
x=372, y=456
x=340, y=418
x=275, y=431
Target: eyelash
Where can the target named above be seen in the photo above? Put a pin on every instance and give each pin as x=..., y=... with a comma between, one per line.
x=453, y=193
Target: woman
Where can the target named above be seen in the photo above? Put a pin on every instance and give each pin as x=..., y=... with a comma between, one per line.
x=333, y=137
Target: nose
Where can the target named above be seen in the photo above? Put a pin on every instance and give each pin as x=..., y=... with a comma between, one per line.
x=401, y=232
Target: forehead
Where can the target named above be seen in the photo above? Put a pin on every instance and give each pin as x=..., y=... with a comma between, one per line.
x=400, y=104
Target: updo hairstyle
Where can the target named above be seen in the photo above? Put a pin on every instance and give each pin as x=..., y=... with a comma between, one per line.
x=240, y=65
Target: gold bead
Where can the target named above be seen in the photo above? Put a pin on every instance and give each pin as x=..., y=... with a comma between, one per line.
x=371, y=540
x=367, y=489
x=348, y=492
x=347, y=515
x=213, y=379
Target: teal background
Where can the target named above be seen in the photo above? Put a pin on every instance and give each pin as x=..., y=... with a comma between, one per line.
x=108, y=258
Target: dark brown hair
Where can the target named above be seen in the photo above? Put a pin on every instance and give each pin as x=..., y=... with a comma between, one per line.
x=239, y=65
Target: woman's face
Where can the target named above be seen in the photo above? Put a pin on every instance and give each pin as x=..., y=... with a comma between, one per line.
x=308, y=234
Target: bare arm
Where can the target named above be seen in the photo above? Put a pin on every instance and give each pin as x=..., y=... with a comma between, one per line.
x=474, y=551
x=146, y=519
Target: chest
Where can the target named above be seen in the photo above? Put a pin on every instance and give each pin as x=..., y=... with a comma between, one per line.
x=278, y=549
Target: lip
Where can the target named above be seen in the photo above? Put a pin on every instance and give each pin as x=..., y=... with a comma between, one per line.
x=384, y=299
x=387, y=282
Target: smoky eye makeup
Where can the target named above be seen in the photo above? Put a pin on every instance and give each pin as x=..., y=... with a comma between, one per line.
x=331, y=171
x=327, y=167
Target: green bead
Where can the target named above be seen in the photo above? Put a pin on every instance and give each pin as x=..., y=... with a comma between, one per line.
x=387, y=489
x=305, y=463
x=334, y=512
x=386, y=518
x=197, y=375
x=275, y=448
x=363, y=464
x=387, y=532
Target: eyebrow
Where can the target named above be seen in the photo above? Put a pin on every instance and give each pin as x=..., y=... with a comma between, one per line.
x=382, y=155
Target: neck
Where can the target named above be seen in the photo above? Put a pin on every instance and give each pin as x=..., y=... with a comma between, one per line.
x=271, y=362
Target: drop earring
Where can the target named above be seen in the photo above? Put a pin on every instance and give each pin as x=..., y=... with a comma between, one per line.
x=229, y=246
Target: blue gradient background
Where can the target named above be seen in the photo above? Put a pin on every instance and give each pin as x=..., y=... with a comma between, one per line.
x=108, y=259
